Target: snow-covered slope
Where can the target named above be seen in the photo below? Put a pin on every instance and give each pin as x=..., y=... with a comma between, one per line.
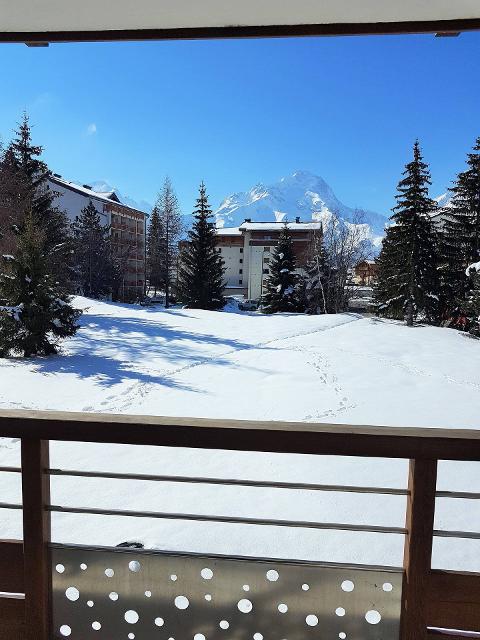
x=102, y=186
x=300, y=194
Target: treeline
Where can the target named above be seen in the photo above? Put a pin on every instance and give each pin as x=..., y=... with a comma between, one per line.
x=430, y=271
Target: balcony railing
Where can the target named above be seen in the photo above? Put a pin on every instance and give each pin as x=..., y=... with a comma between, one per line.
x=56, y=591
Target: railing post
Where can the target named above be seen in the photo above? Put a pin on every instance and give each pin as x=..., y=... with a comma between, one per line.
x=36, y=536
x=422, y=483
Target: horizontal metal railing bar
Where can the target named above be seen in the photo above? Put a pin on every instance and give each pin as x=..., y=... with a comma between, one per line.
x=442, y=533
x=448, y=634
x=463, y=495
x=229, y=482
x=10, y=505
x=12, y=595
x=466, y=495
x=303, y=524
x=225, y=556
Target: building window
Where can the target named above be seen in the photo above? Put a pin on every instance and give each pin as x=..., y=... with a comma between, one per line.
x=266, y=260
x=266, y=271
x=241, y=260
x=241, y=249
x=267, y=249
x=240, y=271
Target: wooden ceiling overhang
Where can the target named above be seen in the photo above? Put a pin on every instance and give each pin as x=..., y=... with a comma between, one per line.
x=45, y=21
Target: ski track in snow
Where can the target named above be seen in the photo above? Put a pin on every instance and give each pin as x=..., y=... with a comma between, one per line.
x=139, y=390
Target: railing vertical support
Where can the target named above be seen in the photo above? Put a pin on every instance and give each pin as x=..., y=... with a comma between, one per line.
x=36, y=536
x=417, y=560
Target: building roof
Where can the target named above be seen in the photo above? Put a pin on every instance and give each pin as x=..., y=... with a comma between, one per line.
x=212, y=17
x=229, y=231
x=277, y=226
x=109, y=197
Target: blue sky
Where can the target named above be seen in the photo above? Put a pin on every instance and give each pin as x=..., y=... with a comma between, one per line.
x=238, y=112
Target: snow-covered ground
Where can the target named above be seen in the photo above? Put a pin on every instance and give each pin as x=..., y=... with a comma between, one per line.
x=344, y=368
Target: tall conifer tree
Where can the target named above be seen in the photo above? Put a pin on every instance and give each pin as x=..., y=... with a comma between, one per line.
x=472, y=303
x=201, y=272
x=460, y=244
x=36, y=312
x=408, y=277
x=171, y=228
x=33, y=195
x=93, y=253
x=155, y=236
x=281, y=289
x=388, y=295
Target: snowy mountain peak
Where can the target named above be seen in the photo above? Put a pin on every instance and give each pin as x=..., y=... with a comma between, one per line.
x=301, y=194
x=444, y=201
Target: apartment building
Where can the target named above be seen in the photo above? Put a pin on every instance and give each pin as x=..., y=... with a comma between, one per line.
x=247, y=250
x=127, y=227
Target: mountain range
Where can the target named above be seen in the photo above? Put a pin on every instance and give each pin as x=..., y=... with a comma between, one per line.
x=301, y=194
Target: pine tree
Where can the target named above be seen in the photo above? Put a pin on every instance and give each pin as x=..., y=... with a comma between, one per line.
x=408, y=279
x=389, y=297
x=34, y=196
x=170, y=231
x=36, y=313
x=154, y=253
x=461, y=238
x=200, y=282
x=281, y=288
x=93, y=253
x=472, y=304
x=11, y=212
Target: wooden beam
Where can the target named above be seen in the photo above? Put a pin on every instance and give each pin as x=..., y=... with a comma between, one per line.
x=245, y=31
x=453, y=600
x=36, y=536
x=12, y=616
x=11, y=566
x=422, y=483
x=244, y=435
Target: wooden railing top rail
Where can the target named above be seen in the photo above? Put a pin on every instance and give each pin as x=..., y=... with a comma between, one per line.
x=245, y=435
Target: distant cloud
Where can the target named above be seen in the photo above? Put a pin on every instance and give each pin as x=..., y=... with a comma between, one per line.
x=91, y=129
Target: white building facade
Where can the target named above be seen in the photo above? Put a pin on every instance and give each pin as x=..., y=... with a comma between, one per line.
x=247, y=250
